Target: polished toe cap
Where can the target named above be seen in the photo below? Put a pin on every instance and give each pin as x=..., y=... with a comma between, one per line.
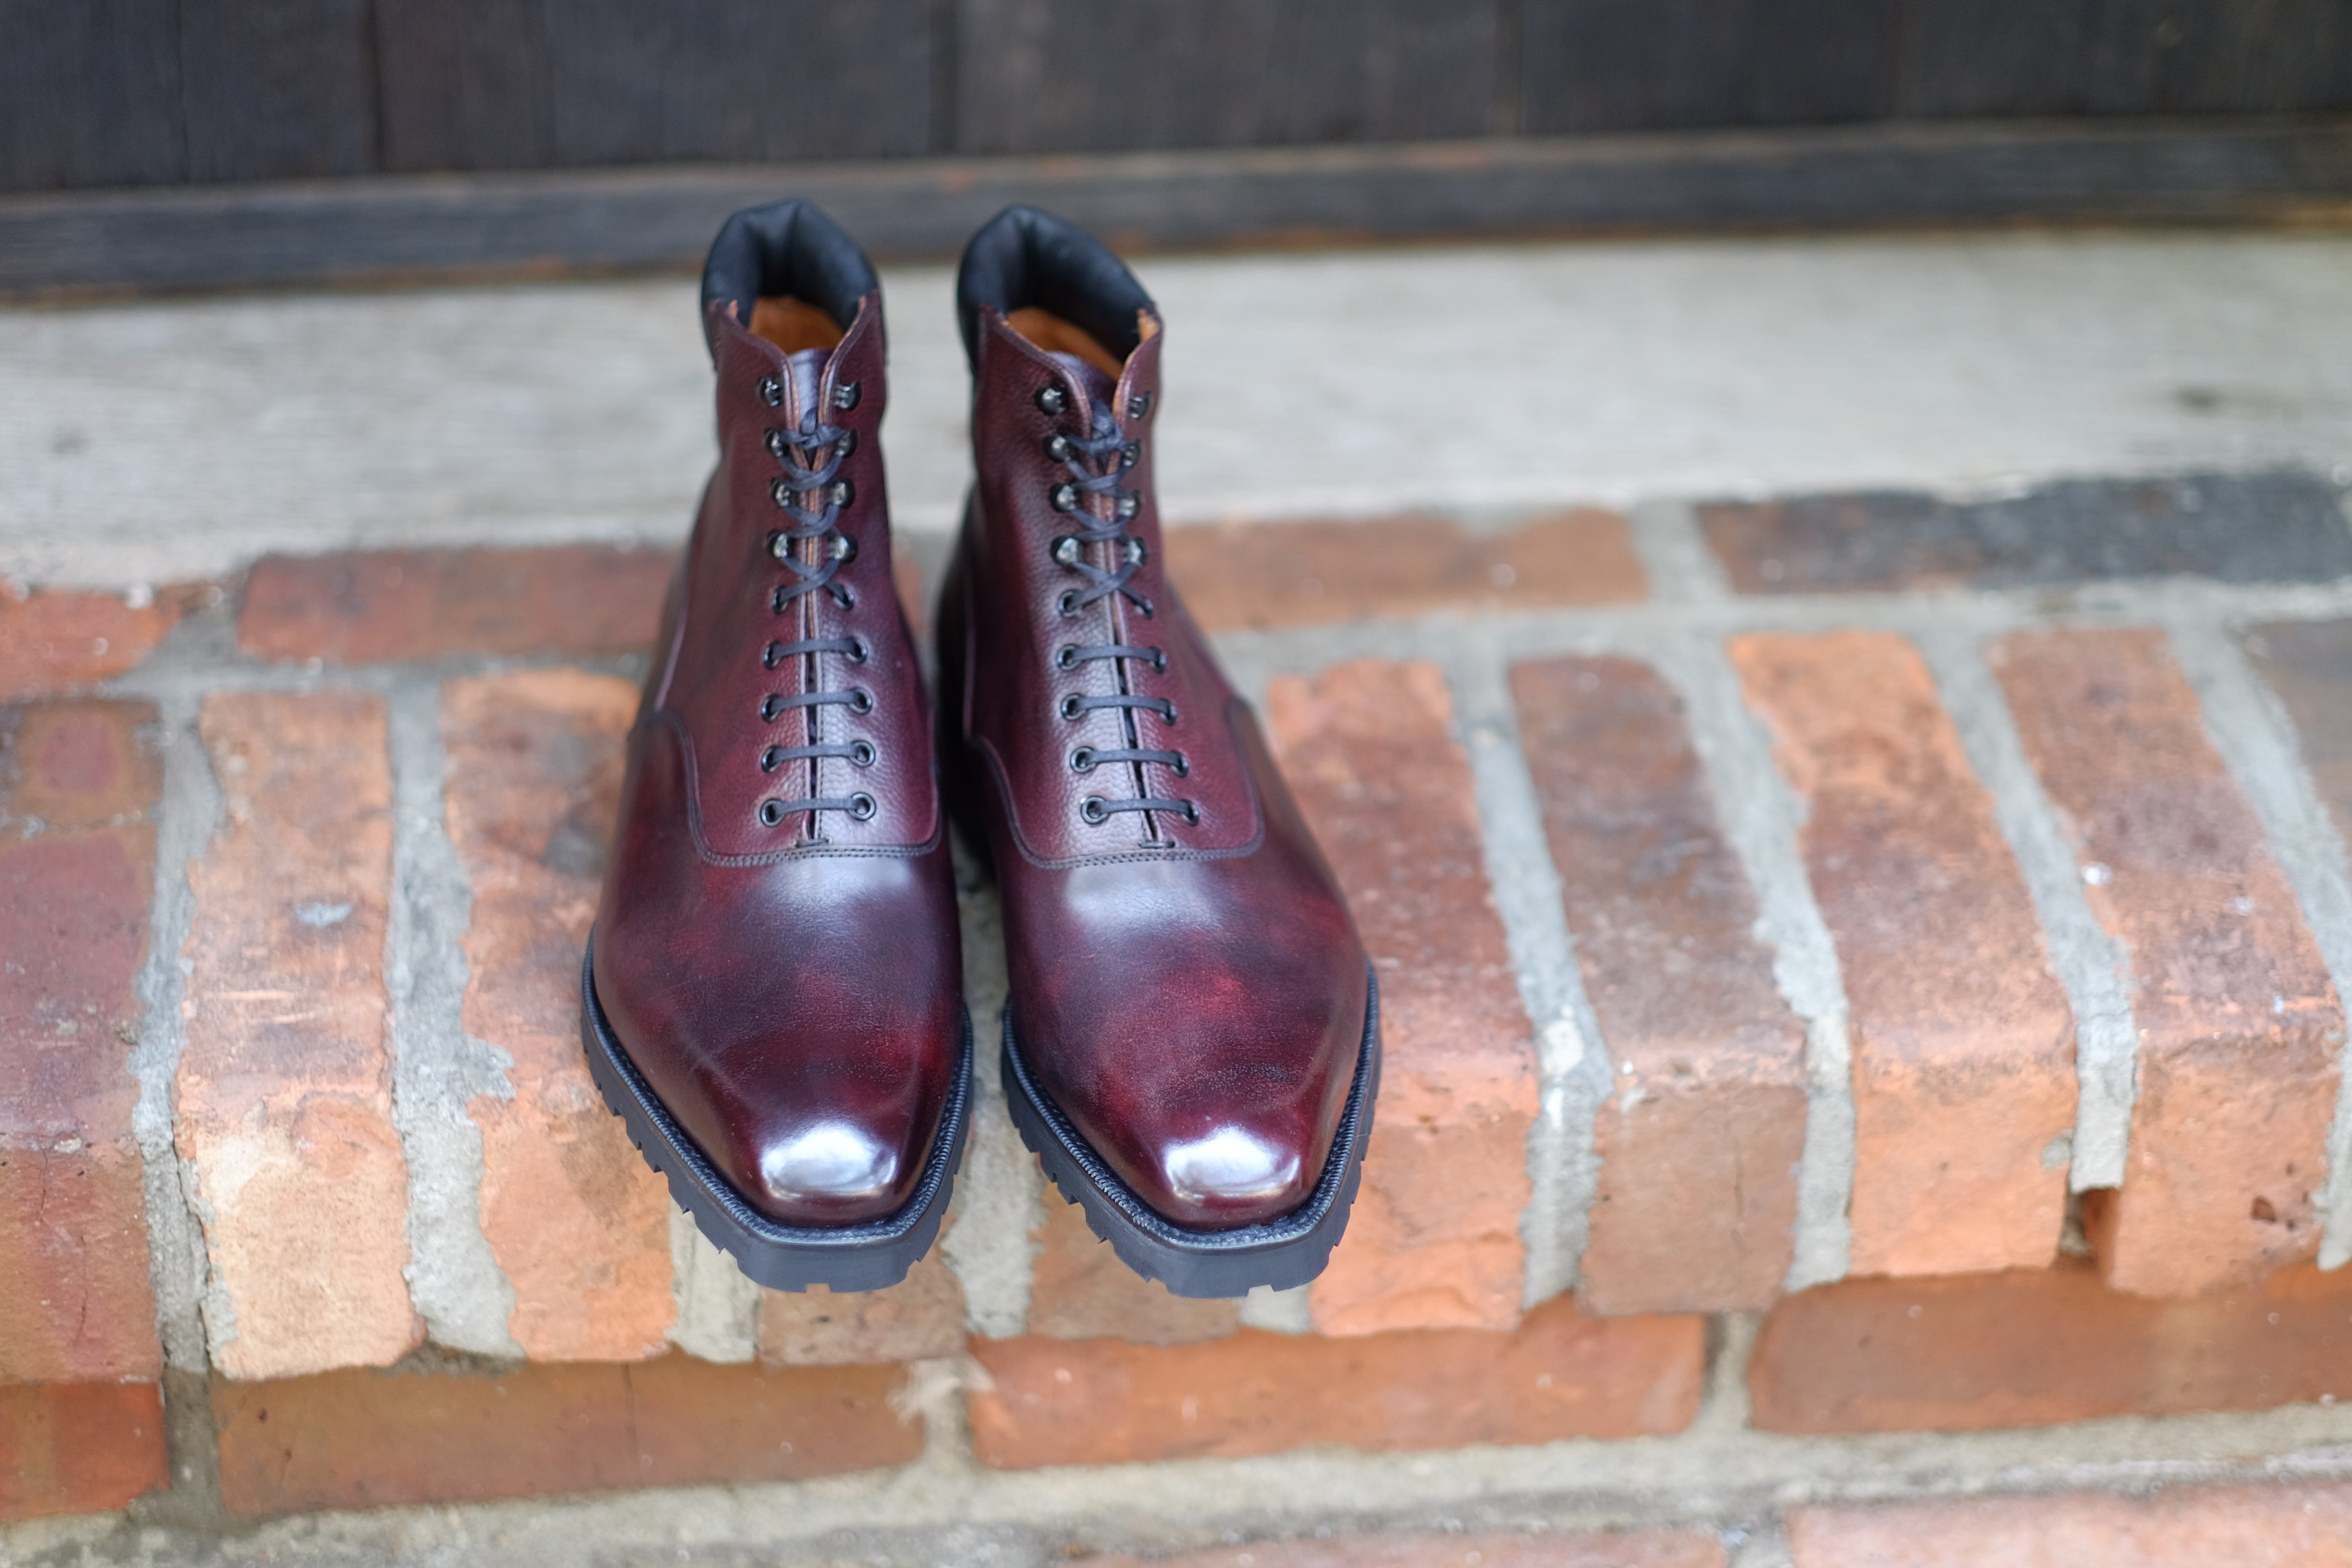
x=832, y=1165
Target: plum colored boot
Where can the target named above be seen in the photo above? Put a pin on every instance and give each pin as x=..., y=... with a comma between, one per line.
x=772, y=995
x=1191, y=1043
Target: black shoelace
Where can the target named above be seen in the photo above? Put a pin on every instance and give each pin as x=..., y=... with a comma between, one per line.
x=1098, y=464
x=804, y=474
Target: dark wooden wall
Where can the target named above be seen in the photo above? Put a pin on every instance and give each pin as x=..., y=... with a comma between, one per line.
x=144, y=92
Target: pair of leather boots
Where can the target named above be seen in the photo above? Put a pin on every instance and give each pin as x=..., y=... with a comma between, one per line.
x=773, y=997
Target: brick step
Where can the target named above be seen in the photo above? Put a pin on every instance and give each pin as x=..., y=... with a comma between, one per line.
x=1945, y=970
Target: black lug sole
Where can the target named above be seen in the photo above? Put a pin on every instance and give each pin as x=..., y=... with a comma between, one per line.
x=782, y=1257
x=1204, y=1264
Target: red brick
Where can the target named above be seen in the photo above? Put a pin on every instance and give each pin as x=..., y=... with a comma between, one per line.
x=2238, y=1027
x=2309, y=665
x=78, y=1448
x=78, y=781
x=1697, y=1201
x=920, y=1317
x=1629, y=1549
x=359, y=607
x=1435, y=1238
x=2179, y=1527
x=2033, y=1347
x=285, y=1094
x=1963, y=1044
x=577, y=1219
x=367, y=1439
x=1238, y=576
x=54, y=641
x=1079, y=1290
x=1561, y=1374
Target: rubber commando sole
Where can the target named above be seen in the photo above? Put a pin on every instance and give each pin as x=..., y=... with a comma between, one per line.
x=782, y=1257
x=1204, y=1264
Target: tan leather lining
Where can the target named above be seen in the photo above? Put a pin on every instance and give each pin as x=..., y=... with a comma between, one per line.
x=794, y=324
x=1055, y=335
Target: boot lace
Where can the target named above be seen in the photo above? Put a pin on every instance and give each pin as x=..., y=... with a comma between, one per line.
x=1096, y=464
x=811, y=457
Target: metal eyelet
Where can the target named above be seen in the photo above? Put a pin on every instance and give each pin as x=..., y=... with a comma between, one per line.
x=1093, y=810
x=861, y=700
x=1183, y=766
x=1129, y=454
x=1066, y=657
x=843, y=493
x=1053, y=399
x=1159, y=661
x=770, y=759
x=781, y=493
x=769, y=658
x=1067, y=603
x=1135, y=552
x=1066, y=549
x=848, y=443
x=771, y=705
x=862, y=806
x=862, y=752
x=1082, y=761
x=772, y=392
x=842, y=549
x=858, y=650
x=1128, y=507
x=844, y=594
x=778, y=545
x=776, y=443
x=845, y=396
x=1168, y=715
x=776, y=601
x=1065, y=497
x=1143, y=608
x=1139, y=405
x=772, y=812
x=1059, y=448
x=1070, y=709
x=1191, y=814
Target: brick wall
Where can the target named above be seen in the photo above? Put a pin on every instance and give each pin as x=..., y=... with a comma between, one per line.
x=1852, y=965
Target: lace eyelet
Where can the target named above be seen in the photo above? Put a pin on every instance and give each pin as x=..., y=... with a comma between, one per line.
x=1143, y=608
x=862, y=752
x=781, y=493
x=1159, y=661
x=862, y=806
x=1082, y=761
x=844, y=596
x=1066, y=657
x=1067, y=603
x=1183, y=766
x=858, y=650
x=1066, y=549
x=843, y=493
x=1139, y=405
x=1053, y=399
x=1129, y=454
x=1070, y=709
x=769, y=706
x=768, y=659
x=1128, y=507
x=776, y=443
x=861, y=700
x=1134, y=552
x=771, y=760
x=1168, y=714
x=779, y=544
x=1065, y=497
x=845, y=396
x=842, y=549
x=846, y=444
x=1191, y=814
x=772, y=392
x=1094, y=811
x=772, y=812
x=1059, y=448
x=776, y=602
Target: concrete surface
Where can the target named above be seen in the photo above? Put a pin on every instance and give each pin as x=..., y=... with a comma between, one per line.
x=154, y=442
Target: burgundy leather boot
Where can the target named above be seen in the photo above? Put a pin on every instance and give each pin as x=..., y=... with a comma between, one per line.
x=772, y=997
x=1192, y=1043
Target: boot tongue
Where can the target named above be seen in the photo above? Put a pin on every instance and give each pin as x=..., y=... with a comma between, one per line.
x=1099, y=388
x=807, y=366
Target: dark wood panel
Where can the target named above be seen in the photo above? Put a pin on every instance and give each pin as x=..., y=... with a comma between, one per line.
x=89, y=94
x=463, y=84
x=277, y=88
x=397, y=228
x=692, y=79
x=2260, y=56
x=1635, y=64
x=1037, y=76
